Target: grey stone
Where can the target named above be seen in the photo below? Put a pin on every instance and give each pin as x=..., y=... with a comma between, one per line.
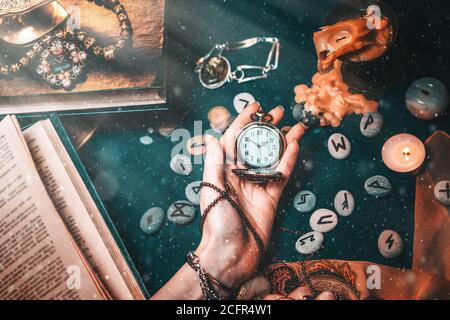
x=304, y=116
x=323, y=220
x=377, y=186
x=298, y=112
x=146, y=140
x=181, y=164
x=371, y=124
x=305, y=201
x=193, y=192
x=181, y=212
x=339, y=146
x=152, y=220
x=344, y=203
x=309, y=242
x=442, y=192
x=242, y=100
x=390, y=244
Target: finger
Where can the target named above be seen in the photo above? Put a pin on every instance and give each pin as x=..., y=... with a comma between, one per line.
x=289, y=159
x=326, y=296
x=300, y=293
x=286, y=166
x=241, y=120
x=214, y=162
x=295, y=133
x=277, y=114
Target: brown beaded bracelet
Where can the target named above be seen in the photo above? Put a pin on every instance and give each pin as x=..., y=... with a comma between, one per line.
x=205, y=282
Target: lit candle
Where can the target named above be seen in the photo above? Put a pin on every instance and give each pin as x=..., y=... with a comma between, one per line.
x=403, y=153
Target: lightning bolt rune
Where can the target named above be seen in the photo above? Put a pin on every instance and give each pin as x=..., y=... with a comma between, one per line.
x=390, y=241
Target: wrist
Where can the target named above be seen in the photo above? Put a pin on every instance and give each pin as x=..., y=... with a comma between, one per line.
x=227, y=262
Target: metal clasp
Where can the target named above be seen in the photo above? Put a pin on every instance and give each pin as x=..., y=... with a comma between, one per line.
x=261, y=116
x=240, y=76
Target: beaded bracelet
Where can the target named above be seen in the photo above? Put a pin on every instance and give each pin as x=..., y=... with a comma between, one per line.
x=205, y=282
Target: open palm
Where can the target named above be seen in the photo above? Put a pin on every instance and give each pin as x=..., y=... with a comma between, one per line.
x=223, y=227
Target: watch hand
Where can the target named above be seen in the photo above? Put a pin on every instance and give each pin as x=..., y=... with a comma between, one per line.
x=256, y=144
x=259, y=142
x=264, y=143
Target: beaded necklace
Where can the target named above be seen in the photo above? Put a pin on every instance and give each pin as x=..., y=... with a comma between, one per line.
x=61, y=55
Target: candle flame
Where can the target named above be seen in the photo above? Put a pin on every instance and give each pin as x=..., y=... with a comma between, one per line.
x=407, y=153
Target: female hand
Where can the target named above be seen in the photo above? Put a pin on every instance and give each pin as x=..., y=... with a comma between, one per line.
x=228, y=250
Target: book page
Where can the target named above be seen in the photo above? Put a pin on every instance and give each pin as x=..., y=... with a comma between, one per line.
x=38, y=258
x=78, y=210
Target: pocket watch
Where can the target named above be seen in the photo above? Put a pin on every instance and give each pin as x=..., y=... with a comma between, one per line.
x=259, y=147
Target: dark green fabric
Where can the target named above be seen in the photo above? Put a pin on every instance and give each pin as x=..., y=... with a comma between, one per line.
x=132, y=177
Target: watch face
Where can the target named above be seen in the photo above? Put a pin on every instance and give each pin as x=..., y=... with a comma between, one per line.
x=260, y=146
x=214, y=72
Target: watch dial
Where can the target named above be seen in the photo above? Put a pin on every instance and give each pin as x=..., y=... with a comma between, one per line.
x=260, y=146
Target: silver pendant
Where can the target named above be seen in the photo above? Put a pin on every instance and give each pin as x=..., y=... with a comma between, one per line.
x=62, y=64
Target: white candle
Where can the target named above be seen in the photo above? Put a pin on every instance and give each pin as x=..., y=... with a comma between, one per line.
x=403, y=153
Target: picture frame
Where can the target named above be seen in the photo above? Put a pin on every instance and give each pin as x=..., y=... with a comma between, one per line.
x=134, y=81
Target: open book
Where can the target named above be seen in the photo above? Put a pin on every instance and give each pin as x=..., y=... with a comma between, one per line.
x=54, y=241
